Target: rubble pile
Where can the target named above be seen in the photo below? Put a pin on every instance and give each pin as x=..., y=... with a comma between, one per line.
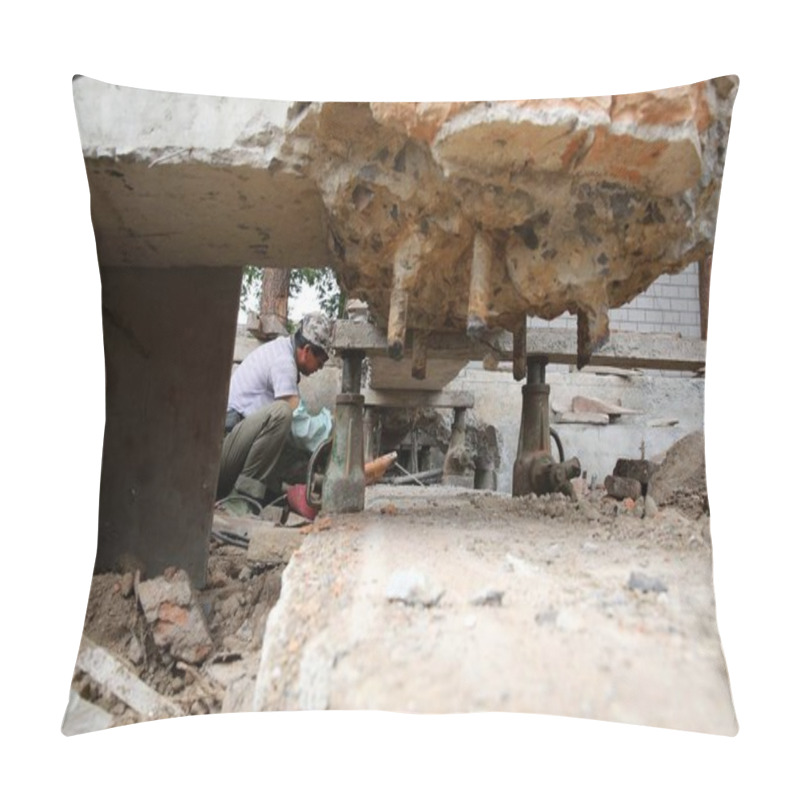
x=158, y=648
x=677, y=478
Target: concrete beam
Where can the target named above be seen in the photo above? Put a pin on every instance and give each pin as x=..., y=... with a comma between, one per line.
x=414, y=399
x=624, y=349
x=196, y=214
x=192, y=180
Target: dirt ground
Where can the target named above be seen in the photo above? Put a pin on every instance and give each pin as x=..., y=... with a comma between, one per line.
x=617, y=594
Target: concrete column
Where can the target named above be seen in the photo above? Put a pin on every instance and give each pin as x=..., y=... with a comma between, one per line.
x=168, y=338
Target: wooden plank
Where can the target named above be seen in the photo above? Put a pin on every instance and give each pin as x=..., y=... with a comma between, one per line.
x=622, y=373
x=117, y=678
x=625, y=349
x=582, y=418
x=593, y=405
x=400, y=398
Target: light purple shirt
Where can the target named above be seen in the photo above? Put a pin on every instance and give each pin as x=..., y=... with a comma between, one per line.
x=270, y=371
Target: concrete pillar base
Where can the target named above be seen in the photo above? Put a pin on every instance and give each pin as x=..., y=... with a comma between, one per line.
x=168, y=338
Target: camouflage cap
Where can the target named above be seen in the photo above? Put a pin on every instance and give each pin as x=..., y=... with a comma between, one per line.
x=318, y=330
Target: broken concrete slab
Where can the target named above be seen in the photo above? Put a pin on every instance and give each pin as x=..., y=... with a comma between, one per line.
x=176, y=619
x=334, y=642
x=287, y=184
x=272, y=544
x=238, y=678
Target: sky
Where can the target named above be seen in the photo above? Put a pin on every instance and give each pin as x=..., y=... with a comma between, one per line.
x=304, y=303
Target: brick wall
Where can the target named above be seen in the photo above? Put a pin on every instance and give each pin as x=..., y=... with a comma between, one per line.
x=670, y=305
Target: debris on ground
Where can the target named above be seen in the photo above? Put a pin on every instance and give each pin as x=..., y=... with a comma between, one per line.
x=621, y=488
x=681, y=478
x=644, y=583
x=197, y=651
x=488, y=597
x=175, y=619
x=413, y=588
x=129, y=644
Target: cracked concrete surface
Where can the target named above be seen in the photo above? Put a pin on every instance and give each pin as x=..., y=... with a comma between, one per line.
x=568, y=636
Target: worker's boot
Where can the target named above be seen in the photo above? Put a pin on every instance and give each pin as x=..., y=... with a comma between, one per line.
x=239, y=505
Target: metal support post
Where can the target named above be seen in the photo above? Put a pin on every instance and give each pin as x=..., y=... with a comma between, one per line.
x=457, y=470
x=535, y=471
x=343, y=487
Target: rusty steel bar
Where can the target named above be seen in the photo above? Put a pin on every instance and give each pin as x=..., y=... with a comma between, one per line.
x=407, y=260
x=593, y=332
x=396, y=329
x=480, y=285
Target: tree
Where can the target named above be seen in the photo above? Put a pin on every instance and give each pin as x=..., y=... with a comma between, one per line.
x=275, y=288
x=330, y=295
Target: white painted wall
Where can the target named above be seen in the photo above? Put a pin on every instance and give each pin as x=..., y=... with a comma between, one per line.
x=670, y=305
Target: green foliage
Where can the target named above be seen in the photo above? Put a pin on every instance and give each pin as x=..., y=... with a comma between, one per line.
x=330, y=296
x=332, y=299
x=251, y=288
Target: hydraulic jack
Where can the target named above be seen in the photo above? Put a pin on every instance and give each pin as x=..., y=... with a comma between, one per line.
x=343, y=487
x=535, y=470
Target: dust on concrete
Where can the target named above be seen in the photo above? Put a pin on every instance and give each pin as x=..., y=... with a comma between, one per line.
x=600, y=611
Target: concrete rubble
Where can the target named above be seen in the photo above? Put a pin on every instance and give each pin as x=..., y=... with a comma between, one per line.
x=442, y=216
x=176, y=619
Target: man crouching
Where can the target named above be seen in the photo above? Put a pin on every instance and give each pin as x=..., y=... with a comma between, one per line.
x=262, y=397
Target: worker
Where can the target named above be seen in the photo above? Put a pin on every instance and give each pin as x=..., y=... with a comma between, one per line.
x=262, y=399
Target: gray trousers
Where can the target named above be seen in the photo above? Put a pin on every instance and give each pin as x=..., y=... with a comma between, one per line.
x=252, y=451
